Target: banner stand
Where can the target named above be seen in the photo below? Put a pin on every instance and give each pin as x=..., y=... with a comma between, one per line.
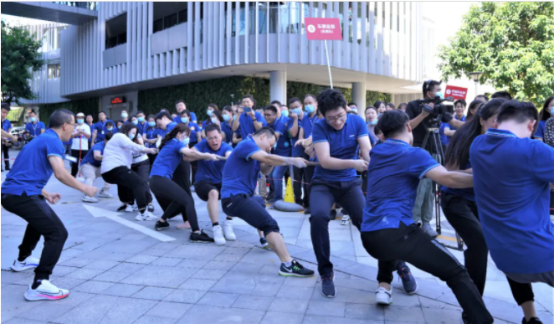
x=324, y=29
x=328, y=64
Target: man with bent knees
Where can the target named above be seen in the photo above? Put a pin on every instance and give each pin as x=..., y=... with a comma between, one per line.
x=240, y=176
x=208, y=181
x=23, y=194
x=388, y=229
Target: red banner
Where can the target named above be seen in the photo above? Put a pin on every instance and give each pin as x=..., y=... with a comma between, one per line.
x=323, y=28
x=455, y=92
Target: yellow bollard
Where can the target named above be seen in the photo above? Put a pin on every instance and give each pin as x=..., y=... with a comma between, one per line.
x=289, y=195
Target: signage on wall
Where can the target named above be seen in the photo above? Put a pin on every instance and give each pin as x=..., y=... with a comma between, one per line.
x=323, y=28
x=455, y=92
x=117, y=100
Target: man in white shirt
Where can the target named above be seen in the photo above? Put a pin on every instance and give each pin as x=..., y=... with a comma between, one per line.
x=79, y=148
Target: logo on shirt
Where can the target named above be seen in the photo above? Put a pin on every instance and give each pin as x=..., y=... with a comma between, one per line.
x=192, y=128
x=351, y=135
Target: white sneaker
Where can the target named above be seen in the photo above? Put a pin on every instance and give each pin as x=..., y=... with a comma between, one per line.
x=383, y=296
x=46, y=291
x=140, y=217
x=29, y=263
x=129, y=209
x=105, y=194
x=345, y=220
x=228, y=231
x=147, y=216
x=218, y=235
x=89, y=199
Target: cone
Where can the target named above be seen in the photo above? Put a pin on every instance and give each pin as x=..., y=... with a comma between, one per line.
x=289, y=196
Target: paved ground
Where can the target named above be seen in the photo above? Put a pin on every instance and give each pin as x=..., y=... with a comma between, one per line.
x=120, y=274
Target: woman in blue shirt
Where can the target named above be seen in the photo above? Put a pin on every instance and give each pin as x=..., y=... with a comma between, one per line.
x=227, y=124
x=461, y=211
x=211, y=108
x=169, y=194
x=150, y=136
x=546, y=112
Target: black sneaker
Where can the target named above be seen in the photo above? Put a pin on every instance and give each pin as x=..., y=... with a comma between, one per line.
x=465, y=320
x=533, y=320
x=263, y=242
x=200, y=237
x=161, y=225
x=122, y=208
x=295, y=270
x=307, y=211
x=151, y=208
x=328, y=285
x=408, y=280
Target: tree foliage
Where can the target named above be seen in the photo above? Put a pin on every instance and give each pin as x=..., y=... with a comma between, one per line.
x=20, y=57
x=511, y=42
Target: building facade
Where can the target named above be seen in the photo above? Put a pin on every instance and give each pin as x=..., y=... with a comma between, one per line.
x=127, y=47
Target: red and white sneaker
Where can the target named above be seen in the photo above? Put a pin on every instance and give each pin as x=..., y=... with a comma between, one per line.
x=46, y=291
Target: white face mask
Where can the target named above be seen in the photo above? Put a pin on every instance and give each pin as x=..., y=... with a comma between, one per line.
x=131, y=136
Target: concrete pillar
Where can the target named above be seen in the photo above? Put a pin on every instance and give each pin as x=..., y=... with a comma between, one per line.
x=359, y=97
x=278, y=86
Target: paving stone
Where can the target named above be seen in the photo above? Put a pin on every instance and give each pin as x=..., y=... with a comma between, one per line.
x=142, y=259
x=218, y=299
x=198, y=284
x=61, y=270
x=159, y=276
x=112, y=276
x=17, y=320
x=289, y=305
x=246, y=267
x=253, y=302
x=127, y=267
x=127, y=310
x=235, y=283
x=202, y=314
x=314, y=319
x=65, y=282
x=122, y=290
x=155, y=320
x=191, y=263
x=404, y=314
x=219, y=265
x=169, y=309
x=185, y=296
x=209, y=274
x=441, y=316
x=228, y=257
x=93, y=287
x=295, y=292
x=280, y=318
x=431, y=303
x=154, y=293
x=85, y=274
x=167, y=262
x=102, y=264
x=330, y=309
x=45, y=311
x=77, y=262
x=90, y=312
x=363, y=311
x=345, y=295
x=236, y=250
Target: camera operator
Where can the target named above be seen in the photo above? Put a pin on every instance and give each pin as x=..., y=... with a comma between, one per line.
x=422, y=113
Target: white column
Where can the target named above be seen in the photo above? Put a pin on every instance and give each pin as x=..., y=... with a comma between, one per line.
x=359, y=97
x=278, y=86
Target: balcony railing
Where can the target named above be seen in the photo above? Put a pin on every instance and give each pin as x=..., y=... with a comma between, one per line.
x=93, y=5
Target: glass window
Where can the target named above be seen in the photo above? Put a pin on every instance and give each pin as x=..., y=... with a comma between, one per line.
x=53, y=71
x=183, y=16
x=170, y=21
x=121, y=38
x=158, y=25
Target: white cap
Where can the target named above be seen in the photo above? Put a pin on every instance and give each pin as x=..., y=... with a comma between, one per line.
x=80, y=114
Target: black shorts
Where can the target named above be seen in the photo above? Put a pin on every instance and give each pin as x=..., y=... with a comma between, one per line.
x=204, y=187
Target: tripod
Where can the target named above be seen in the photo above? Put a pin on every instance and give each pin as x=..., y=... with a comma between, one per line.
x=436, y=146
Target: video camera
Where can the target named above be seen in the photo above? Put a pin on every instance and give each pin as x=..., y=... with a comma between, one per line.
x=438, y=112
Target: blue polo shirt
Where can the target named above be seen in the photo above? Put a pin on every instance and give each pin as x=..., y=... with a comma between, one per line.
x=228, y=130
x=168, y=159
x=297, y=151
x=34, y=129
x=240, y=174
x=168, y=128
x=282, y=126
x=466, y=193
x=246, y=126
x=89, y=158
x=394, y=172
x=343, y=144
x=511, y=181
x=194, y=128
x=32, y=170
x=6, y=125
x=211, y=171
x=101, y=130
x=540, y=129
x=142, y=127
x=307, y=124
x=151, y=133
x=177, y=119
x=444, y=138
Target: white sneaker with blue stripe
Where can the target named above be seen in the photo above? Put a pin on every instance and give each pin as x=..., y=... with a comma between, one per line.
x=29, y=263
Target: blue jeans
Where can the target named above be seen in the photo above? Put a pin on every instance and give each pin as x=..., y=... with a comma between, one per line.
x=278, y=175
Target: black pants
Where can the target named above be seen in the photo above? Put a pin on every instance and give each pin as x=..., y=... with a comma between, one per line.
x=298, y=174
x=463, y=215
x=323, y=196
x=364, y=182
x=152, y=158
x=411, y=244
x=307, y=178
x=251, y=210
x=174, y=198
x=143, y=171
x=42, y=221
x=194, y=167
x=75, y=166
x=130, y=186
x=6, y=154
x=181, y=176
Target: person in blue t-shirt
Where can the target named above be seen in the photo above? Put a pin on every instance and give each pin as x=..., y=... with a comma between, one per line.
x=89, y=120
x=7, y=127
x=546, y=112
x=34, y=127
x=208, y=181
x=23, y=194
x=211, y=108
x=100, y=128
x=180, y=106
x=512, y=189
x=296, y=115
x=240, y=176
x=195, y=137
x=248, y=120
x=150, y=136
x=336, y=139
x=90, y=169
x=227, y=124
x=171, y=196
x=142, y=123
x=388, y=229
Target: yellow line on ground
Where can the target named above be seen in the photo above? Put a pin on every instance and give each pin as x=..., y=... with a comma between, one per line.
x=448, y=238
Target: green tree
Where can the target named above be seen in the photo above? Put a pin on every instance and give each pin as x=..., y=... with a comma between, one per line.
x=20, y=57
x=512, y=43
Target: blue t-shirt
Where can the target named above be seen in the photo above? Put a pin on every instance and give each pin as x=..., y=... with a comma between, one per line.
x=394, y=172
x=142, y=127
x=168, y=159
x=444, y=138
x=343, y=144
x=206, y=123
x=177, y=119
x=511, y=181
x=31, y=170
x=297, y=151
x=211, y=170
x=101, y=130
x=246, y=126
x=228, y=130
x=540, y=129
x=89, y=158
x=34, y=129
x=240, y=174
x=6, y=125
x=307, y=124
x=168, y=128
x=282, y=126
x=151, y=133
x=194, y=128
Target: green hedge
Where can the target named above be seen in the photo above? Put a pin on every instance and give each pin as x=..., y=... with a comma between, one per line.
x=198, y=95
x=86, y=106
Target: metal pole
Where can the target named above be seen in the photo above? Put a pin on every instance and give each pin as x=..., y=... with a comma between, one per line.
x=328, y=64
x=476, y=87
